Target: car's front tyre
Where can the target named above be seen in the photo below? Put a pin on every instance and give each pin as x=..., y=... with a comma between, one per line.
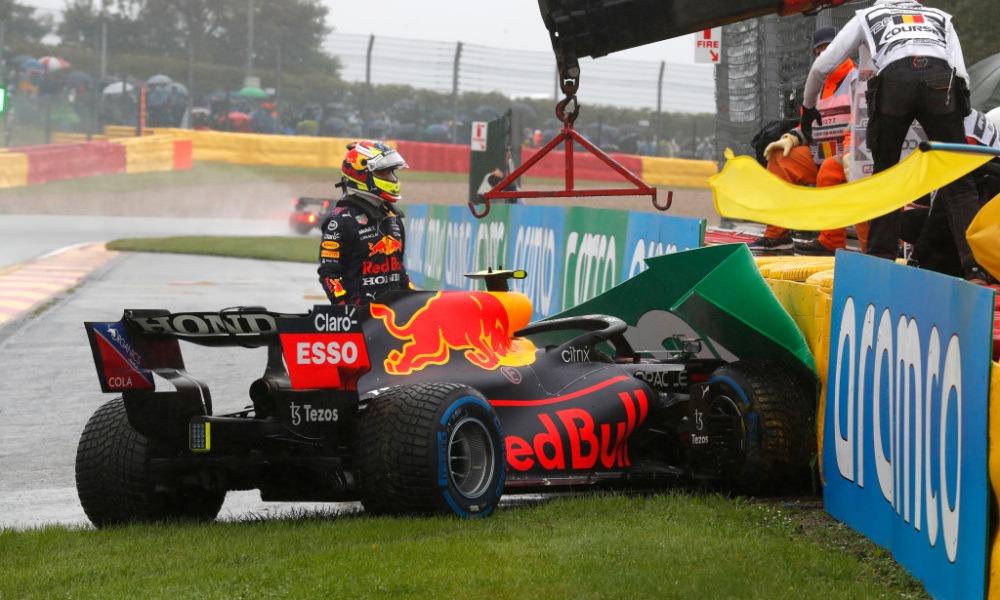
x=774, y=407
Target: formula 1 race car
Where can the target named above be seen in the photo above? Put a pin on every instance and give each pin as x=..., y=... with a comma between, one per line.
x=430, y=402
x=308, y=213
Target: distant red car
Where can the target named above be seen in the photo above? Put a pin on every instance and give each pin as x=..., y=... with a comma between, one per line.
x=308, y=213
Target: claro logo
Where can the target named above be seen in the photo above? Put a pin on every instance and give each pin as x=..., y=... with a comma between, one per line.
x=914, y=431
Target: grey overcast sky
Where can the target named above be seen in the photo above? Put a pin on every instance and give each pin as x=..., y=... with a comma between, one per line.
x=514, y=24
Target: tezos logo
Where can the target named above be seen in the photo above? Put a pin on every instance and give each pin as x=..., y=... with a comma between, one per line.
x=307, y=413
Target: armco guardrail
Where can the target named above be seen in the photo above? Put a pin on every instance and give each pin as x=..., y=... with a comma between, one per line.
x=75, y=157
x=154, y=152
x=54, y=162
x=13, y=169
x=320, y=152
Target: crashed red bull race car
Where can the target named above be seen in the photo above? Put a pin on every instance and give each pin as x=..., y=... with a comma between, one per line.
x=428, y=402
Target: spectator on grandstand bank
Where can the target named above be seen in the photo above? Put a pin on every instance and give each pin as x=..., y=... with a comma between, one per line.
x=705, y=149
x=263, y=118
x=808, y=156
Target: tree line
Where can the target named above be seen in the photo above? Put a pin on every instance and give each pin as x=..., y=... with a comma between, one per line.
x=287, y=34
x=204, y=43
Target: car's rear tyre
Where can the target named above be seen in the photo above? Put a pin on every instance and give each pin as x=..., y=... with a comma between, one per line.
x=115, y=483
x=302, y=228
x=433, y=448
x=774, y=442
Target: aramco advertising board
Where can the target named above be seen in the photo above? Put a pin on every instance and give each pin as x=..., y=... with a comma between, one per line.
x=905, y=450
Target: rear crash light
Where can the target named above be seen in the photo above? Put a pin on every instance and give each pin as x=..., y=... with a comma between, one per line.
x=200, y=437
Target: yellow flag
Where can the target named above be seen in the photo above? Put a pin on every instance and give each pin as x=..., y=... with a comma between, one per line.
x=745, y=190
x=984, y=237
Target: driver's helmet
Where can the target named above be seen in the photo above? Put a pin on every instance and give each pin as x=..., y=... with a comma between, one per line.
x=370, y=167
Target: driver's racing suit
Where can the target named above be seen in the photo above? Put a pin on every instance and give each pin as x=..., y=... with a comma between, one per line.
x=361, y=252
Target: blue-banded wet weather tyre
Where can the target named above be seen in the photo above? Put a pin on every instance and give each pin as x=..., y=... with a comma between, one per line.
x=771, y=408
x=431, y=448
x=115, y=482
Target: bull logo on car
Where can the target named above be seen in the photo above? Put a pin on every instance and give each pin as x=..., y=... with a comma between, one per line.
x=474, y=323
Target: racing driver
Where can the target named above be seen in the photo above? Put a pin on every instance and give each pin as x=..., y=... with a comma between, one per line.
x=361, y=253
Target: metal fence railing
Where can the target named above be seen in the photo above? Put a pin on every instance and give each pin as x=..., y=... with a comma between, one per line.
x=448, y=67
x=451, y=69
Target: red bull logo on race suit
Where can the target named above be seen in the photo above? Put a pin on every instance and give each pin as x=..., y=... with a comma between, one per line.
x=474, y=323
x=387, y=245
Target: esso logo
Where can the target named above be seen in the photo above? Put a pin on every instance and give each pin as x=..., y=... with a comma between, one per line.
x=330, y=353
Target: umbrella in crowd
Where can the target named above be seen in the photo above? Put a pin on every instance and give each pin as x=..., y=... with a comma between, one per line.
x=527, y=114
x=157, y=96
x=159, y=80
x=117, y=88
x=238, y=118
x=438, y=129
x=53, y=63
x=236, y=121
x=31, y=64
x=485, y=112
x=78, y=78
x=21, y=58
x=251, y=92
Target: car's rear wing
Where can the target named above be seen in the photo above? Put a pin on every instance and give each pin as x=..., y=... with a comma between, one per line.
x=324, y=348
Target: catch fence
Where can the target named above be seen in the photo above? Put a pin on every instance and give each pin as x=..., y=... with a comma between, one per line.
x=763, y=72
x=461, y=67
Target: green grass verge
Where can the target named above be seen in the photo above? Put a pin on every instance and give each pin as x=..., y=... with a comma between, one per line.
x=212, y=173
x=592, y=546
x=292, y=249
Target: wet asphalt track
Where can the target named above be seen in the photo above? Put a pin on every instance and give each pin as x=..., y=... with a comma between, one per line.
x=48, y=383
x=49, y=387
